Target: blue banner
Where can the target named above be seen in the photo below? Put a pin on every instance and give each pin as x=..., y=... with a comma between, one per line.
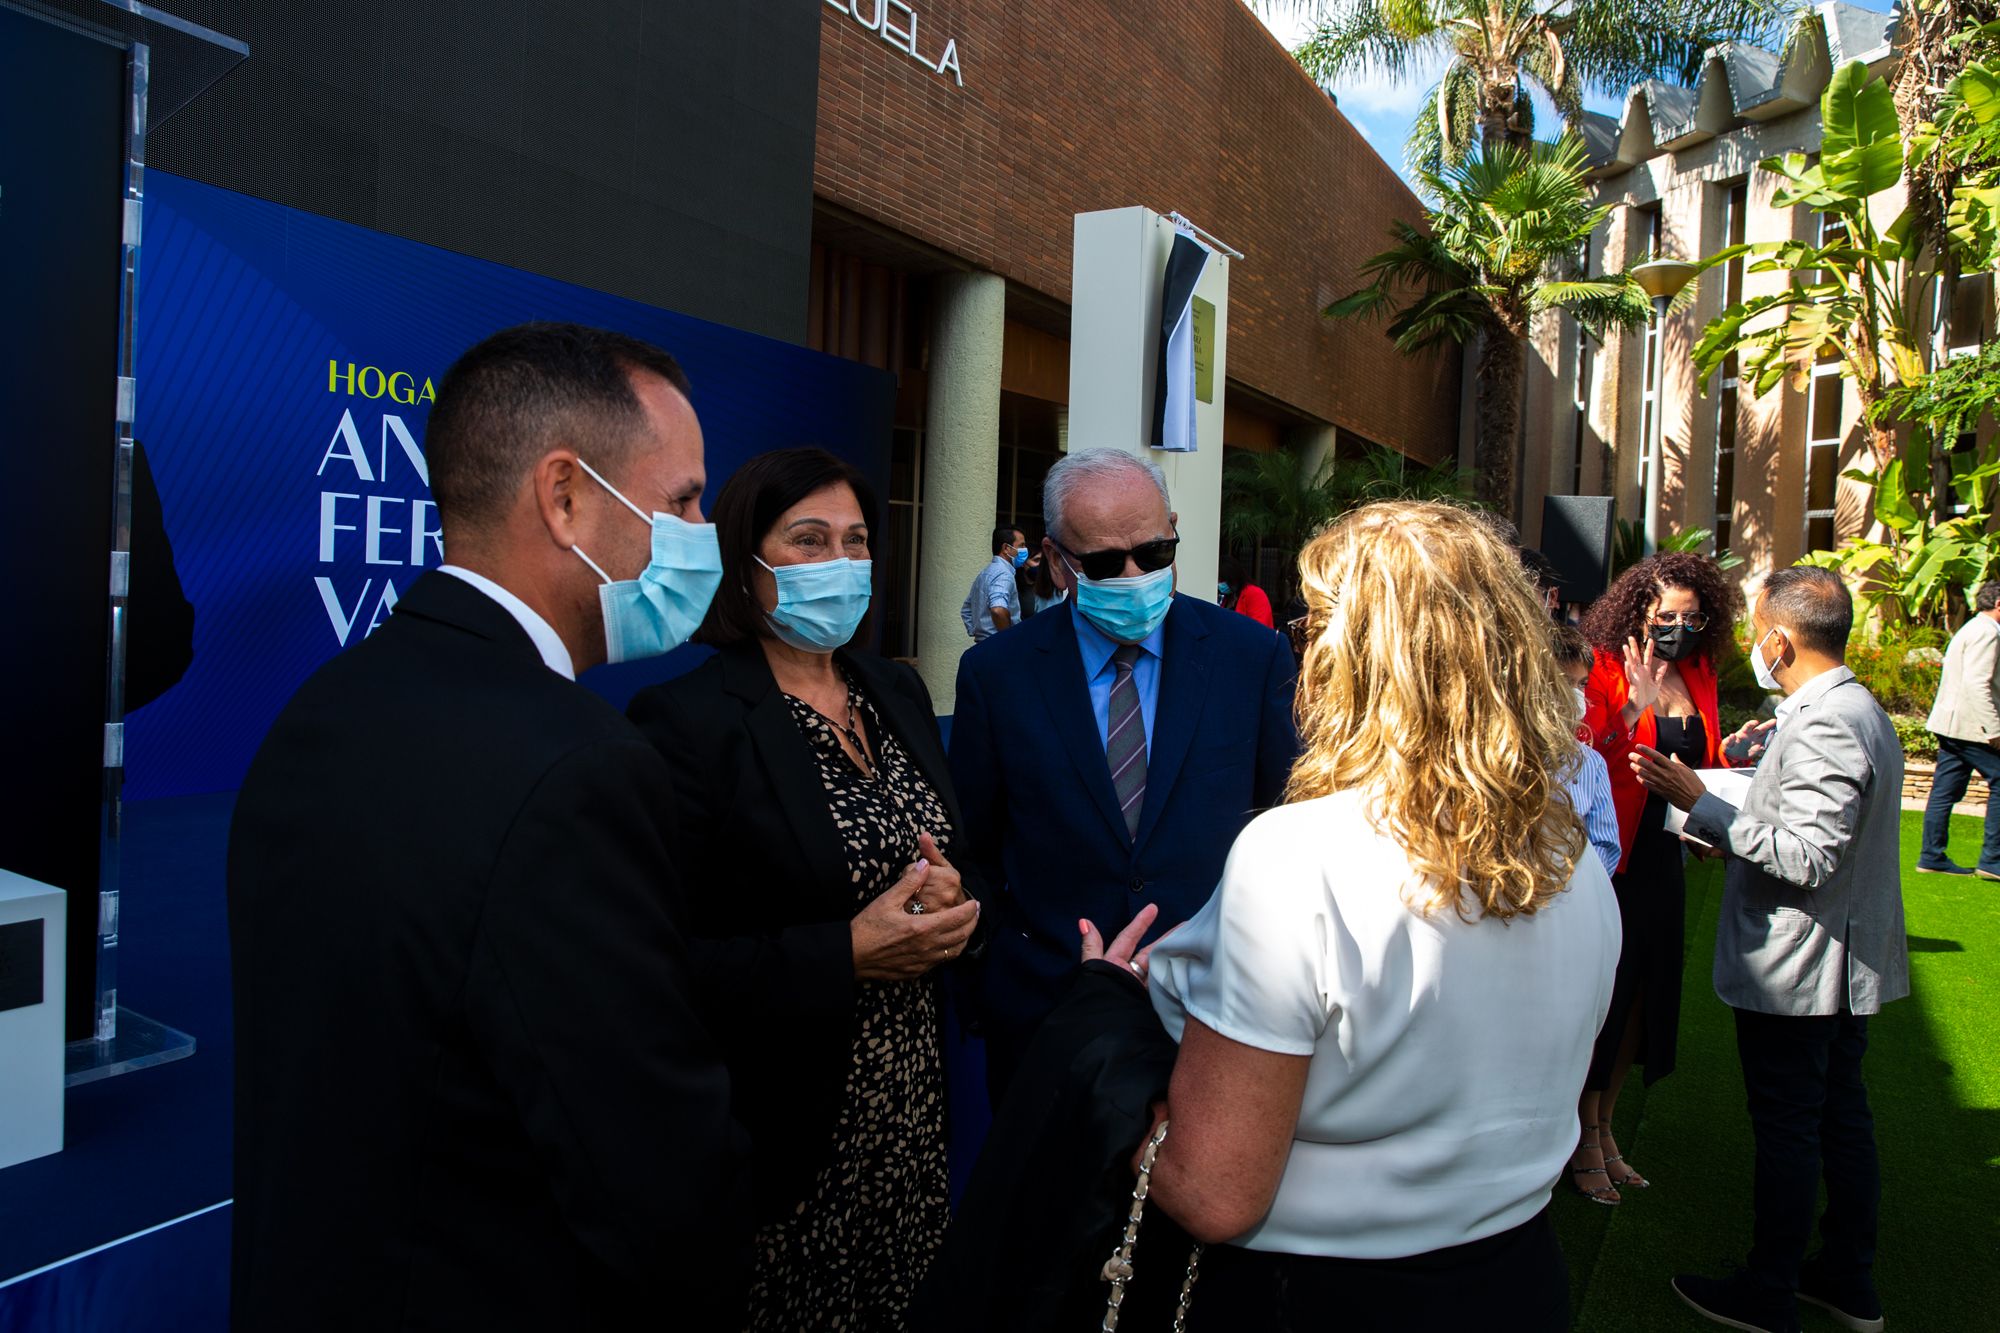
x=286, y=366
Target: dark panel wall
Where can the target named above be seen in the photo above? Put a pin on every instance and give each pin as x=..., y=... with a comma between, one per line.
x=62, y=149
x=661, y=150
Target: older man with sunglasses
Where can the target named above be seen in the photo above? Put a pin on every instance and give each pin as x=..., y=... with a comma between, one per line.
x=1107, y=753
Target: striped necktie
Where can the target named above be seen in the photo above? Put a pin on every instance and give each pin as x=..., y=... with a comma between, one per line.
x=1125, y=739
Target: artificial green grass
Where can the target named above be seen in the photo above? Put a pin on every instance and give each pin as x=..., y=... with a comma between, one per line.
x=1933, y=1072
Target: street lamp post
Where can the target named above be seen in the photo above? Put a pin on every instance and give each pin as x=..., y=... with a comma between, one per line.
x=1661, y=279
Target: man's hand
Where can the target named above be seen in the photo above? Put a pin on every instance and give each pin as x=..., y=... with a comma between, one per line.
x=1668, y=778
x=892, y=943
x=1001, y=620
x=1120, y=950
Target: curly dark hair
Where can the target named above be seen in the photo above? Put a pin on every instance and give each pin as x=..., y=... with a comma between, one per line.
x=1621, y=613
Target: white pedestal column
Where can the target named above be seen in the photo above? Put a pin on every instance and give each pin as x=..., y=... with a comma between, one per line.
x=961, y=468
x=1121, y=257
x=32, y=940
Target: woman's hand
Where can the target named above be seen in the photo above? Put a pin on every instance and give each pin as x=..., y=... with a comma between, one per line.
x=1121, y=948
x=893, y=943
x=1644, y=677
x=942, y=886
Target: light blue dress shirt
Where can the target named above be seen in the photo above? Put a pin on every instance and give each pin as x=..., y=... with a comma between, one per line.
x=1589, y=785
x=992, y=586
x=1099, y=675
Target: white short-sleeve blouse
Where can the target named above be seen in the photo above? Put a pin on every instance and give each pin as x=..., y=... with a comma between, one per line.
x=1447, y=1056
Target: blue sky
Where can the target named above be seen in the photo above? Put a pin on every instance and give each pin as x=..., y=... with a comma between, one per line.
x=1382, y=109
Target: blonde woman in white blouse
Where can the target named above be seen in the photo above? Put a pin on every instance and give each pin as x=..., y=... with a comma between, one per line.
x=1386, y=1011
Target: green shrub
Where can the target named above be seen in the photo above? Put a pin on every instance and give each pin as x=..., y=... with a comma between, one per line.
x=1900, y=683
x=1918, y=742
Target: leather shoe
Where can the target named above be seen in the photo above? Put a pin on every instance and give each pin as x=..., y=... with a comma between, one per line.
x=1984, y=873
x=1734, y=1303
x=1852, y=1303
x=1946, y=867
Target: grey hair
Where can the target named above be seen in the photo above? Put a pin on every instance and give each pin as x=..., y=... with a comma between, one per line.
x=1987, y=597
x=1087, y=465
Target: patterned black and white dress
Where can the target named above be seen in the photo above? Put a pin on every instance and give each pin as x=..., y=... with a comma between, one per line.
x=850, y=1255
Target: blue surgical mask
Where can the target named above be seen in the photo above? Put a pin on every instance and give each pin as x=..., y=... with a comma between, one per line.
x=1127, y=610
x=820, y=603
x=1222, y=590
x=660, y=610
x=1021, y=557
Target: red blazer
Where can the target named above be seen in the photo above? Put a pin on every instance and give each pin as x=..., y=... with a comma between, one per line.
x=1605, y=693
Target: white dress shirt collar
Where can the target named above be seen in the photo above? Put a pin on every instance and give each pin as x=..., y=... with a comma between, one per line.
x=547, y=642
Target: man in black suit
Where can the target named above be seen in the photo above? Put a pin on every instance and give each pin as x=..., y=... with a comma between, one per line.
x=471, y=1091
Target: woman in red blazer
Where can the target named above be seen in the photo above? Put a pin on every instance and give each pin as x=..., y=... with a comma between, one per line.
x=1657, y=632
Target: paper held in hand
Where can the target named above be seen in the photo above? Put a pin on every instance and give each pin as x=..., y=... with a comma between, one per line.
x=1726, y=784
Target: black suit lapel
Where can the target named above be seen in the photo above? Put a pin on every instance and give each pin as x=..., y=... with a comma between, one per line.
x=1068, y=701
x=787, y=759
x=1183, y=690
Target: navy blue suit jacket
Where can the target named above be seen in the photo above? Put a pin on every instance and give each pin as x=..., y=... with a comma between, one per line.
x=1042, y=823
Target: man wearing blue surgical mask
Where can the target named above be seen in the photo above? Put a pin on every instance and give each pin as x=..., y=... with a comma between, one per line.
x=1108, y=752
x=471, y=1084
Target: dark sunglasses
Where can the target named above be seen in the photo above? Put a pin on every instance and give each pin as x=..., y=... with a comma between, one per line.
x=1099, y=565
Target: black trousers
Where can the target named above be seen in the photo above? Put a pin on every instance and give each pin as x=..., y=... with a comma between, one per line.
x=1809, y=1111
x=1515, y=1282
x=1957, y=761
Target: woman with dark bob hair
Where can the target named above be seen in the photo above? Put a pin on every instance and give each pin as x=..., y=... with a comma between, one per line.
x=1658, y=632
x=817, y=818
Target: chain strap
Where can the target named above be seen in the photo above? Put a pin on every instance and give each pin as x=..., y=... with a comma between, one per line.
x=1118, y=1268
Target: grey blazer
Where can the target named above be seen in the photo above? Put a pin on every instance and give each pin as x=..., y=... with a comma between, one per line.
x=1812, y=909
x=1968, y=697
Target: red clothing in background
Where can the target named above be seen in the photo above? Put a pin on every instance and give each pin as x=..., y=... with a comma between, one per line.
x=1605, y=694
x=1253, y=603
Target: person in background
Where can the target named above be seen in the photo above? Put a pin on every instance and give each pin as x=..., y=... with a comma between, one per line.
x=994, y=603
x=1657, y=630
x=811, y=774
x=1809, y=943
x=1235, y=593
x=1108, y=753
x=1965, y=717
x=472, y=1088
x=1588, y=783
x=1546, y=578
x=1425, y=900
x=1033, y=583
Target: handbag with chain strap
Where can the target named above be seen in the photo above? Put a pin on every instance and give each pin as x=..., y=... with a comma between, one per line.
x=1118, y=1268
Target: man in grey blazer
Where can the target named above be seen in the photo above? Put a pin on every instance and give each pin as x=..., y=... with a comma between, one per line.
x=1966, y=720
x=1809, y=942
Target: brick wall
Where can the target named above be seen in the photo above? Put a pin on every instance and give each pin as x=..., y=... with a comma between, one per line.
x=1173, y=104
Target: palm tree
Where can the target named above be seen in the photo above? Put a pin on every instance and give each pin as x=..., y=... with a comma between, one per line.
x=1279, y=499
x=1507, y=226
x=1495, y=50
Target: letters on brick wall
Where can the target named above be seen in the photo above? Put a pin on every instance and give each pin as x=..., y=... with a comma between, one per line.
x=896, y=23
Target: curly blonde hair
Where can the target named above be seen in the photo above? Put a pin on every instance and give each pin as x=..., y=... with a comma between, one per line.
x=1429, y=685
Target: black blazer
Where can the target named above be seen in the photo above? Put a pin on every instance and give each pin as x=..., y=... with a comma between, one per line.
x=471, y=1090
x=774, y=961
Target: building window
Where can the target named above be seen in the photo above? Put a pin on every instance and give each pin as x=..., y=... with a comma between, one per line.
x=906, y=502
x=1728, y=405
x=1649, y=392
x=1825, y=401
x=1580, y=400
